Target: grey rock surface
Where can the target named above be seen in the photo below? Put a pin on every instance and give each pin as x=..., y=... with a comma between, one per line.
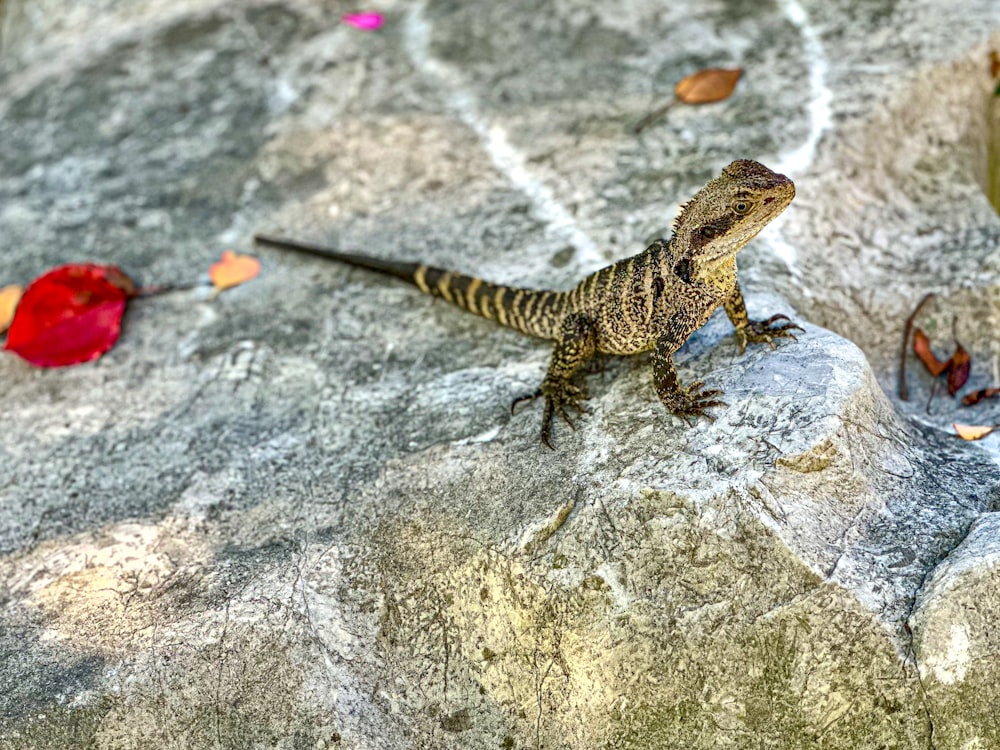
x=956, y=641
x=300, y=514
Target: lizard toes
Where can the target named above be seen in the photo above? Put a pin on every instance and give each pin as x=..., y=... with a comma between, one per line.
x=547, y=417
x=523, y=398
x=560, y=396
x=697, y=410
x=702, y=395
x=711, y=404
x=561, y=410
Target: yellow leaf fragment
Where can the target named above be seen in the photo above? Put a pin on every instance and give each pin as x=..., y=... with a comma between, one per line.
x=972, y=432
x=708, y=85
x=9, y=297
x=233, y=269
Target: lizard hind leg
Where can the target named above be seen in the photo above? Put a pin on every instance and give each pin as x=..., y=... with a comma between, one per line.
x=574, y=346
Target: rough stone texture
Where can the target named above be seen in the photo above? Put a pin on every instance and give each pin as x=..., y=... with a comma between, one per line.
x=301, y=515
x=956, y=638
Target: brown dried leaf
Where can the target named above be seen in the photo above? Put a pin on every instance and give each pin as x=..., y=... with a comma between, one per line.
x=994, y=64
x=922, y=348
x=976, y=396
x=904, y=392
x=958, y=373
x=708, y=85
x=972, y=432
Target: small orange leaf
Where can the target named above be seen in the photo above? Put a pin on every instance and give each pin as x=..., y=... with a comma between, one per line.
x=958, y=373
x=9, y=297
x=922, y=348
x=972, y=432
x=708, y=85
x=233, y=270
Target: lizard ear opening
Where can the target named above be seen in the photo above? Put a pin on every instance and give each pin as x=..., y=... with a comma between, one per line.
x=682, y=269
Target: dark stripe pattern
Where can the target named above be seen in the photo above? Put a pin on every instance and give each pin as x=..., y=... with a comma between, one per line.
x=534, y=312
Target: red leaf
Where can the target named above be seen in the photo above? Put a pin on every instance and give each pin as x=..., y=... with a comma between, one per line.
x=958, y=374
x=69, y=315
x=922, y=348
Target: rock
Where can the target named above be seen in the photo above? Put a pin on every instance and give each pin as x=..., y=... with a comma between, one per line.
x=301, y=514
x=955, y=639
x=752, y=573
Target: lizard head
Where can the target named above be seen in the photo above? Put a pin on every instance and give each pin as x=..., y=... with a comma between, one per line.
x=730, y=210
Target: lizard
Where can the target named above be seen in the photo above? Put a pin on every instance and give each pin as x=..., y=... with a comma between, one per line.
x=653, y=301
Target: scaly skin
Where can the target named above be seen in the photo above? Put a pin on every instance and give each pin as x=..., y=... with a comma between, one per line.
x=652, y=301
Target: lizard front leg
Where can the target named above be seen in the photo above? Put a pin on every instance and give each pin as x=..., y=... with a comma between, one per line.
x=575, y=345
x=757, y=331
x=687, y=403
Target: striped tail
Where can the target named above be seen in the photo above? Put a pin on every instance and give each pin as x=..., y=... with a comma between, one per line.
x=534, y=312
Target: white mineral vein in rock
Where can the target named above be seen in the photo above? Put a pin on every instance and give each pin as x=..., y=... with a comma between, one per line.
x=820, y=96
x=505, y=157
x=820, y=114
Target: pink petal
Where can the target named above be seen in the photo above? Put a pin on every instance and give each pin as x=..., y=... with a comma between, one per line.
x=363, y=21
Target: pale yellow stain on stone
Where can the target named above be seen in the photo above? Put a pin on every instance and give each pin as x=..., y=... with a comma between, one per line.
x=817, y=458
x=100, y=588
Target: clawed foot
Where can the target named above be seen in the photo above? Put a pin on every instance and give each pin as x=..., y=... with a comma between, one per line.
x=691, y=402
x=761, y=332
x=559, y=395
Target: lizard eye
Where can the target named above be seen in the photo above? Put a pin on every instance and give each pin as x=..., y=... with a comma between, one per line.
x=742, y=207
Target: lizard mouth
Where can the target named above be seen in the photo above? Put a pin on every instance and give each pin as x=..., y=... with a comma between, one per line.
x=785, y=198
